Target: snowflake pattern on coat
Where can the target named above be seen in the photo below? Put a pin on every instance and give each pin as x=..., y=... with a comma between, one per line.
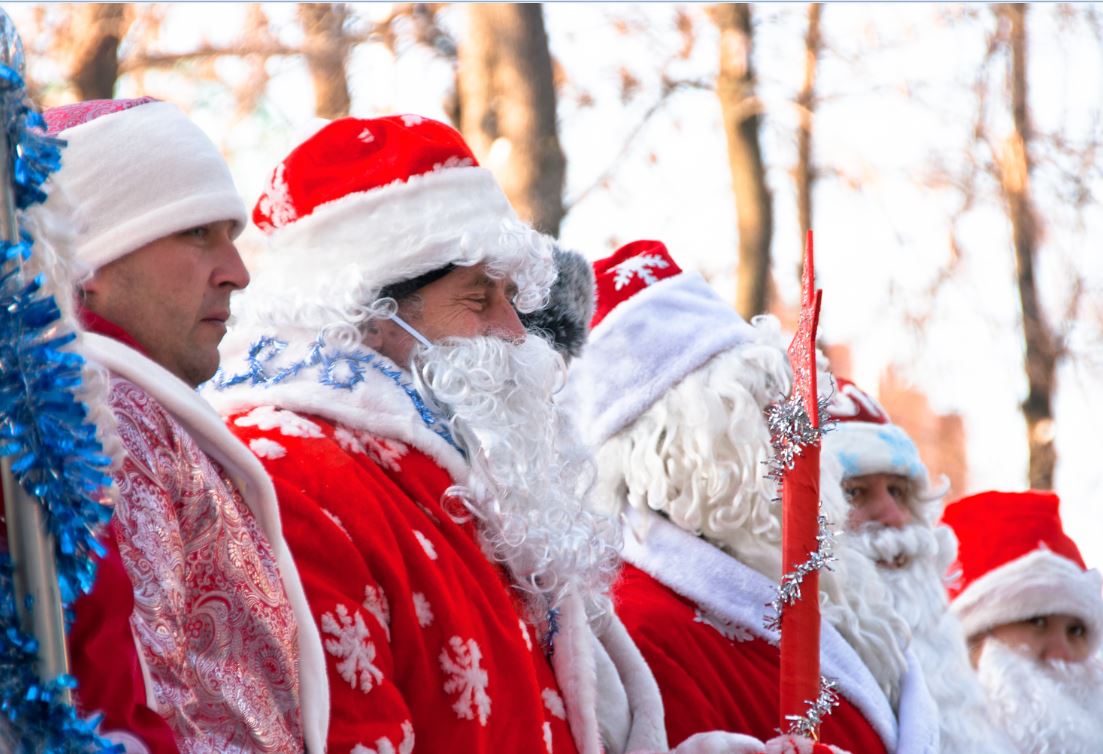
x=554, y=703
x=525, y=633
x=726, y=628
x=385, y=452
x=275, y=203
x=426, y=545
x=375, y=602
x=352, y=647
x=288, y=423
x=461, y=662
x=262, y=447
x=384, y=746
x=638, y=267
x=423, y=610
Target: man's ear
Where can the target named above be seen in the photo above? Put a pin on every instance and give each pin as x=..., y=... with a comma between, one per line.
x=373, y=334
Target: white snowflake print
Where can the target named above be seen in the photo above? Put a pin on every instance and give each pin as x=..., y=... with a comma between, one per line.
x=384, y=746
x=276, y=201
x=366, y=136
x=385, y=452
x=548, y=737
x=426, y=545
x=638, y=267
x=262, y=447
x=352, y=647
x=423, y=610
x=727, y=629
x=289, y=423
x=466, y=677
x=412, y=120
x=340, y=525
x=554, y=702
x=375, y=602
x=525, y=633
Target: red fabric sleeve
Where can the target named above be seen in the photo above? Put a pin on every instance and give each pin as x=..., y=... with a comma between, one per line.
x=104, y=659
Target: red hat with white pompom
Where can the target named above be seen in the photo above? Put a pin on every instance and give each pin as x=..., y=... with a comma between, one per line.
x=653, y=325
x=365, y=203
x=1016, y=563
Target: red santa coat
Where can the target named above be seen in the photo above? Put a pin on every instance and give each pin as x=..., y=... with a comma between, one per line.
x=440, y=652
x=697, y=615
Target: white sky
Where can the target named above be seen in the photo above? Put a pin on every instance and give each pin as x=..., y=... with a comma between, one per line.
x=895, y=82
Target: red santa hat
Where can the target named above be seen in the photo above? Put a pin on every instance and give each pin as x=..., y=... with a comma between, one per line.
x=1016, y=562
x=865, y=441
x=365, y=203
x=137, y=170
x=653, y=325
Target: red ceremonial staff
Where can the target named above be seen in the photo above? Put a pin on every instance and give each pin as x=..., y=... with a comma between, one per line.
x=804, y=697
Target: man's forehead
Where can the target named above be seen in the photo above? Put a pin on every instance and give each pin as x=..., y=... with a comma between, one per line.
x=477, y=276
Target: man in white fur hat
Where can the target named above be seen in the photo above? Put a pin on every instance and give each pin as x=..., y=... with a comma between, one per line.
x=189, y=640
x=431, y=488
x=671, y=390
x=894, y=508
x=1033, y=615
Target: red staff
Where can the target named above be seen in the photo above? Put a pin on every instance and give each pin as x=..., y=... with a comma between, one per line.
x=801, y=706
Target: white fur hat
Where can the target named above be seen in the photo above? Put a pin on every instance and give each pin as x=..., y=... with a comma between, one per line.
x=136, y=171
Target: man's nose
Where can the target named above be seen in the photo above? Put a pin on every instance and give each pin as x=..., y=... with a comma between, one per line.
x=231, y=269
x=1057, y=647
x=505, y=324
x=890, y=511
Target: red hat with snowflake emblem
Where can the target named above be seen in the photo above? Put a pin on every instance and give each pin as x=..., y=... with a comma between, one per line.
x=653, y=325
x=1016, y=563
x=365, y=203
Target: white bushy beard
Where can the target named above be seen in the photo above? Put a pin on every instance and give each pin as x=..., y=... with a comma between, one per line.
x=1045, y=707
x=698, y=456
x=919, y=596
x=530, y=471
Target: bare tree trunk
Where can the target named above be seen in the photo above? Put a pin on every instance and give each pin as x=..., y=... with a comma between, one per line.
x=508, y=107
x=1042, y=348
x=98, y=28
x=740, y=107
x=326, y=49
x=806, y=107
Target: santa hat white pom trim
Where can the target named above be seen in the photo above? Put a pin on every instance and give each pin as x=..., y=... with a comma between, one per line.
x=645, y=346
x=347, y=249
x=1039, y=583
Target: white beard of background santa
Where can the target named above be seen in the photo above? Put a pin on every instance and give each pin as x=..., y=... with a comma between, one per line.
x=1044, y=707
x=913, y=560
x=1016, y=563
x=671, y=391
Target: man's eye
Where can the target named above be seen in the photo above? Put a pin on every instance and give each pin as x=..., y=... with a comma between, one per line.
x=851, y=493
x=200, y=232
x=1078, y=630
x=1038, y=621
x=897, y=492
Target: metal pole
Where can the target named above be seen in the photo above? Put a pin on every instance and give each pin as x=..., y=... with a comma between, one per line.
x=30, y=544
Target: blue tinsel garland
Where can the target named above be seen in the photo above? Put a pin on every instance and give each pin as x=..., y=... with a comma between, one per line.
x=56, y=457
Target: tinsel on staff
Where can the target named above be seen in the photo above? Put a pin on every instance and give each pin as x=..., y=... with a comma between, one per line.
x=50, y=445
x=805, y=697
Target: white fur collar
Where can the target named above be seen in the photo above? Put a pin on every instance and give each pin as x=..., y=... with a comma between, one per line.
x=375, y=403
x=201, y=422
x=731, y=591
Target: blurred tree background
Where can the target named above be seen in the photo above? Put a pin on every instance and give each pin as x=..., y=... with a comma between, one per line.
x=948, y=157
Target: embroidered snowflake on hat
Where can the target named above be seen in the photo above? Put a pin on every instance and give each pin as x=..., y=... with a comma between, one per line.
x=366, y=136
x=383, y=744
x=353, y=647
x=633, y=268
x=461, y=662
x=276, y=206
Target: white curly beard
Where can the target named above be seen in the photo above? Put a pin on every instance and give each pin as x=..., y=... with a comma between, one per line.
x=923, y=554
x=530, y=471
x=1045, y=707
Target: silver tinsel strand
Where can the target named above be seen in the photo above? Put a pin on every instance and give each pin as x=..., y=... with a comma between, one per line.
x=788, y=591
x=791, y=431
x=808, y=724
